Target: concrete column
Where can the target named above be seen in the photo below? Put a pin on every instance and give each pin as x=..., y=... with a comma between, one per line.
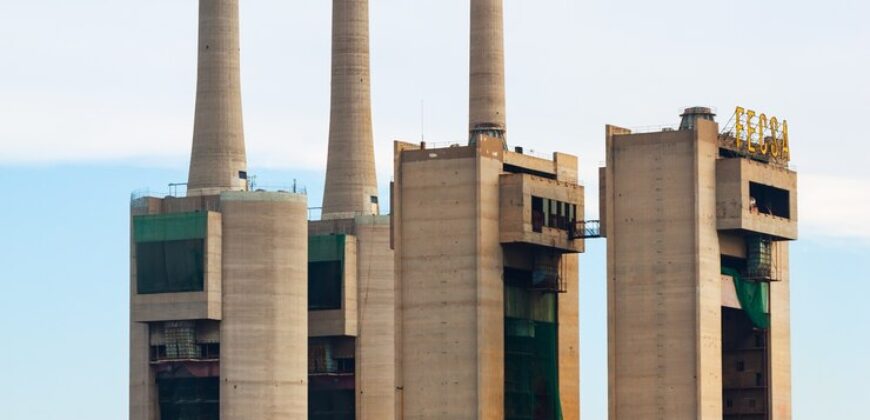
x=486, y=90
x=218, y=154
x=351, y=184
x=264, y=331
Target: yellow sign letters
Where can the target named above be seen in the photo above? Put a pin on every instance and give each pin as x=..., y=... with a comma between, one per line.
x=758, y=135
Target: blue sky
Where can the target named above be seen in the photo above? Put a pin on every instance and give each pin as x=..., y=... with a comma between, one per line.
x=96, y=100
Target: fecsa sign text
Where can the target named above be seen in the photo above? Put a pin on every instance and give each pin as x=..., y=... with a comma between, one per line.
x=759, y=135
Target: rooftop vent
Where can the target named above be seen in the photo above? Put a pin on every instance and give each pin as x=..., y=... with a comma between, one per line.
x=695, y=113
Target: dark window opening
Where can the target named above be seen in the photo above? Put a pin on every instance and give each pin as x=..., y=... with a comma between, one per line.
x=347, y=365
x=553, y=214
x=537, y=214
x=189, y=398
x=210, y=350
x=330, y=404
x=324, y=285
x=745, y=367
x=769, y=200
x=374, y=199
x=513, y=169
x=243, y=175
x=170, y=266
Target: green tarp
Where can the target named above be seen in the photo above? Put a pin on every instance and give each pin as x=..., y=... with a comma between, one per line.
x=325, y=271
x=531, y=355
x=326, y=248
x=170, y=266
x=169, y=227
x=754, y=298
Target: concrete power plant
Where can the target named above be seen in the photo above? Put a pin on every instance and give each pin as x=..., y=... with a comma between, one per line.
x=463, y=301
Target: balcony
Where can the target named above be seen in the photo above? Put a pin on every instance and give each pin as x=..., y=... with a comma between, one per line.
x=540, y=211
x=756, y=198
x=176, y=265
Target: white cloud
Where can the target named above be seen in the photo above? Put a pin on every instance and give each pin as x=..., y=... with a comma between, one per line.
x=834, y=206
x=70, y=92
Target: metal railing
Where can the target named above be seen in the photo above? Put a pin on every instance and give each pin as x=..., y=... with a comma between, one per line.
x=586, y=229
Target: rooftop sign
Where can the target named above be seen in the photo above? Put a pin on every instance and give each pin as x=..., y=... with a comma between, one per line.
x=758, y=135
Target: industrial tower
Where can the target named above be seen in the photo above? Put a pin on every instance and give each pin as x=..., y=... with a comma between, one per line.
x=351, y=359
x=697, y=222
x=486, y=264
x=218, y=293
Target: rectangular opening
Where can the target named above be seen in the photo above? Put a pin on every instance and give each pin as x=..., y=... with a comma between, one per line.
x=745, y=368
x=324, y=285
x=189, y=398
x=537, y=214
x=768, y=200
x=331, y=378
x=531, y=355
x=170, y=266
x=327, y=404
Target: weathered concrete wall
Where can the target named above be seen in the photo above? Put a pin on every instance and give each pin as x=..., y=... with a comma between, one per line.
x=780, y=337
x=264, y=334
x=143, y=385
x=436, y=260
x=733, y=177
x=375, y=344
x=664, y=282
x=350, y=170
x=449, y=266
x=218, y=153
x=569, y=339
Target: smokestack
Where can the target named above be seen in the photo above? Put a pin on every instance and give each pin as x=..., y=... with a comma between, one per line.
x=217, y=161
x=351, y=184
x=487, y=97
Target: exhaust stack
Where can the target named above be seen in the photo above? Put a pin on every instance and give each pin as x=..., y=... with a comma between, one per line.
x=217, y=161
x=351, y=184
x=486, y=89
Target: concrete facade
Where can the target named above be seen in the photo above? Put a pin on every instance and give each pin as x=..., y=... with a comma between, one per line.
x=217, y=161
x=673, y=214
x=450, y=264
x=351, y=183
x=265, y=299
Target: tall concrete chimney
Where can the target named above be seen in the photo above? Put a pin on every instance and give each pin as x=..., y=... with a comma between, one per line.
x=217, y=162
x=351, y=184
x=486, y=90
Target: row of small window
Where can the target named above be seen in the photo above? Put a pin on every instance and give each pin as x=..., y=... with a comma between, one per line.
x=553, y=214
x=202, y=351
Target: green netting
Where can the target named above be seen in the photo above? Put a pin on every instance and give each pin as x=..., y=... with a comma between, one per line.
x=325, y=271
x=325, y=280
x=169, y=227
x=754, y=297
x=531, y=355
x=326, y=248
x=170, y=266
